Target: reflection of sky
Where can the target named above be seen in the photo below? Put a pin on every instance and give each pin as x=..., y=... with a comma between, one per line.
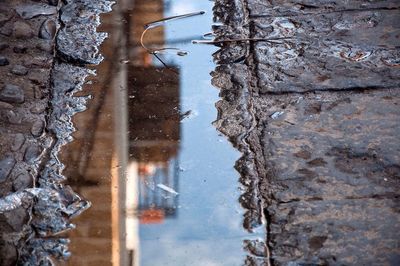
x=207, y=230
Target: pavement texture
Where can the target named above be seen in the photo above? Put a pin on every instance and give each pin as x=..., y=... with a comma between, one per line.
x=26, y=58
x=45, y=47
x=310, y=96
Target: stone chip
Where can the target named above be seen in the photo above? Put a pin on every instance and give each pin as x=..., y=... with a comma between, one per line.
x=19, y=70
x=23, y=180
x=37, y=128
x=29, y=11
x=48, y=29
x=4, y=61
x=12, y=94
x=6, y=165
x=18, y=142
x=22, y=30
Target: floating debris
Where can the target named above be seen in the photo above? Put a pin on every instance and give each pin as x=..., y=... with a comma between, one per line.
x=168, y=189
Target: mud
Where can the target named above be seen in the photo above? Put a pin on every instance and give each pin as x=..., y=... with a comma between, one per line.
x=37, y=103
x=311, y=101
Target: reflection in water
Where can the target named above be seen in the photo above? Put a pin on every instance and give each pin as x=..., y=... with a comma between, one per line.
x=154, y=134
x=163, y=189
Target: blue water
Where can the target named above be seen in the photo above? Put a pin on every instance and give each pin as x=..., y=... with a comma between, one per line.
x=207, y=229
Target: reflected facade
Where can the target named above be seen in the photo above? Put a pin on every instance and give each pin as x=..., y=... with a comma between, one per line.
x=125, y=154
x=163, y=190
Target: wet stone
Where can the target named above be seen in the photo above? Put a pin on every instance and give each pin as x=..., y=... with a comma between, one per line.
x=4, y=105
x=12, y=94
x=4, y=61
x=37, y=128
x=17, y=218
x=53, y=2
x=20, y=49
x=29, y=11
x=18, y=142
x=19, y=70
x=23, y=30
x=45, y=46
x=13, y=117
x=3, y=46
x=22, y=181
x=32, y=153
x=48, y=29
x=38, y=109
x=6, y=165
x=37, y=92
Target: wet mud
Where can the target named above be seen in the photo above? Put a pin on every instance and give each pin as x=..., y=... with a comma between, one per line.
x=309, y=95
x=41, y=68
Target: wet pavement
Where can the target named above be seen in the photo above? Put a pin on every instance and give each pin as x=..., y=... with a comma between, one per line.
x=37, y=104
x=306, y=92
x=311, y=101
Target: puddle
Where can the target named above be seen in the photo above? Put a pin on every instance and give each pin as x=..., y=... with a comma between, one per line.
x=159, y=176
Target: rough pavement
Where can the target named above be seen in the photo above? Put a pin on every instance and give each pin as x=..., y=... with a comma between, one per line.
x=41, y=59
x=310, y=96
x=26, y=58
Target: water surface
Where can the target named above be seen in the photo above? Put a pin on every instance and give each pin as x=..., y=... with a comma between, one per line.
x=159, y=175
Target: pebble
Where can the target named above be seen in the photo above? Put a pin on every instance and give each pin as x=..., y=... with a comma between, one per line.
x=45, y=46
x=19, y=70
x=3, y=46
x=23, y=30
x=18, y=142
x=6, y=165
x=4, y=105
x=37, y=128
x=37, y=93
x=32, y=153
x=48, y=30
x=22, y=181
x=40, y=61
x=20, y=49
x=29, y=11
x=38, y=109
x=13, y=117
x=12, y=94
x=4, y=61
x=53, y=2
x=17, y=218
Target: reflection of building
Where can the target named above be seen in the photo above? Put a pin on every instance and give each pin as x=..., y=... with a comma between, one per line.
x=126, y=150
x=154, y=138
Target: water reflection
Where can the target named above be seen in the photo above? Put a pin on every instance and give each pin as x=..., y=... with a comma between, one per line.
x=160, y=178
x=154, y=135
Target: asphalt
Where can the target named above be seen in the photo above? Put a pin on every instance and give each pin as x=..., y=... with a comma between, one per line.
x=310, y=95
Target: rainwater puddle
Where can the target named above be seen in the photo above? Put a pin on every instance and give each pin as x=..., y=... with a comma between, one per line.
x=159, y=176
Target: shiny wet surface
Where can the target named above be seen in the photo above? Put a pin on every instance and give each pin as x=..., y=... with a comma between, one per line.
x=158, y=174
